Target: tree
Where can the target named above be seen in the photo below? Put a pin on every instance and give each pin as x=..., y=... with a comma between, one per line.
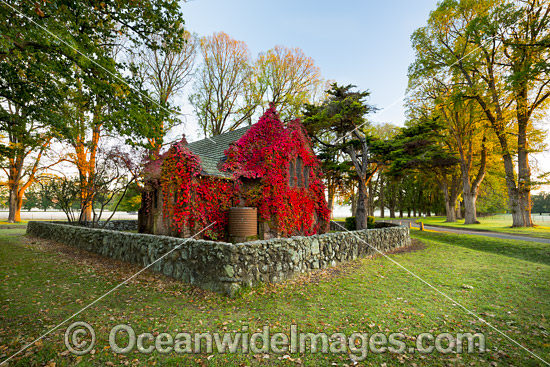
x=35, y=197
x=28, y=83
x=464, y=131
x=541, y=203
x=113, y=177
x=467, y=128
x=335, y=166
x=419, y=148
x=41, y=47
x=131, y=201
x=166, y=72
x=64, y=193
x=343, y=115
x=224, y=97
x=288, y=78
x=495, y=47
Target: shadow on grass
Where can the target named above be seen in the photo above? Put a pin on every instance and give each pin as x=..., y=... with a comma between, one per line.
x=530, y=251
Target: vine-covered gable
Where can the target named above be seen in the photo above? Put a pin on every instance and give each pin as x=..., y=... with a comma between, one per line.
x=287, y=188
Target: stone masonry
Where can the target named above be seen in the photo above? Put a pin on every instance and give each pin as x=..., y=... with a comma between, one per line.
x=225, y=267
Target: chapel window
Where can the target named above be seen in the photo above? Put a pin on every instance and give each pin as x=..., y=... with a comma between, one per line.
x=299, y=164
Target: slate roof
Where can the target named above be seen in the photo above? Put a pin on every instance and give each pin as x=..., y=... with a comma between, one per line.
x=211, y=150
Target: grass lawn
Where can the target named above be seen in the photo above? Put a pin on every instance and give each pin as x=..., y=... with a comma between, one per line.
x=23, y=223
x=506, y=282
x=499, y=223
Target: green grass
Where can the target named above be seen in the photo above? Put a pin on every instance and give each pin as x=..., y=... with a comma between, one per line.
x=505, y=281
x=21, y=223
x=499, y=223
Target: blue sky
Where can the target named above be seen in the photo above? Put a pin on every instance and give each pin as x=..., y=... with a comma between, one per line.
x=366, y=43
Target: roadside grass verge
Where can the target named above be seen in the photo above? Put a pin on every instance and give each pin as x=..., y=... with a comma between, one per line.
x=497, y=224
x=504, y=281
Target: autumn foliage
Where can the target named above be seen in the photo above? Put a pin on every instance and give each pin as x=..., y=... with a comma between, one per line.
x=260, y=164
x=191, y=200
x=264, y=154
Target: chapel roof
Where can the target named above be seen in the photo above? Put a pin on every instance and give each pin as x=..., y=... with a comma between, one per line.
x=211, y=150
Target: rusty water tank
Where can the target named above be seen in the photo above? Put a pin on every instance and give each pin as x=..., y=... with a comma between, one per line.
x=243, y=222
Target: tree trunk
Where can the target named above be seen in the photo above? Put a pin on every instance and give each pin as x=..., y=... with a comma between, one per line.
x=382, y=197
x=451, y=196
x=15, y=190
x=513, y=194
x=524, y=172
x=16, y=184
x=85, y=160
x=450, y=210
x=401, y=206
x=470, y=216
x=519, y=206
x=392, y=208
x=330, y=201
x=362, y=205
x=15, y=203
x=365, y=171
x=370, y=203
x=86, y=212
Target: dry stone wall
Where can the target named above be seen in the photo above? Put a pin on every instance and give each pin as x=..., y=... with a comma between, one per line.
x=225, y=267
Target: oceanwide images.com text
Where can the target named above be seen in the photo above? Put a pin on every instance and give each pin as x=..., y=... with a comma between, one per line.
x=80, y=339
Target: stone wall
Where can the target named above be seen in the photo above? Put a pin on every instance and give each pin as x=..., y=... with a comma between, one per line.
x=336, y=225
x=115, y=225
x=225, y=267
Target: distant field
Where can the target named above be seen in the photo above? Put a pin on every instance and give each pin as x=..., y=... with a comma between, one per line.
x=498, y=223
x=58, y=215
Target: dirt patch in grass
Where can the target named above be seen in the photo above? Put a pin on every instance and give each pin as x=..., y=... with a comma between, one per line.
x=416, y=245
x=325, y=275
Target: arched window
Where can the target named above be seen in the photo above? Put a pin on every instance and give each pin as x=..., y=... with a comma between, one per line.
x=298, y=175
x=299, y=166
x=155, y=199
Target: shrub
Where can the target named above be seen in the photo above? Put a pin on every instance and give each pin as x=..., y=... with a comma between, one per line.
x=370, y=222
x=351, y=224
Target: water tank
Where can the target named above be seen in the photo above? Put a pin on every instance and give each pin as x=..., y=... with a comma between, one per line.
x=243, y=222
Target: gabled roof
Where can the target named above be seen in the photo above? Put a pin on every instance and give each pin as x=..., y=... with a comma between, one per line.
x=211, y=150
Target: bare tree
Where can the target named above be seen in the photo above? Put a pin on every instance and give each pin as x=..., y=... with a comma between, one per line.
x=166, y=73
x=225, y=96
x=114, y=174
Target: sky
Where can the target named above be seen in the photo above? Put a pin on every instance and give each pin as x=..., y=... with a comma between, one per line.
x=365, y=43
